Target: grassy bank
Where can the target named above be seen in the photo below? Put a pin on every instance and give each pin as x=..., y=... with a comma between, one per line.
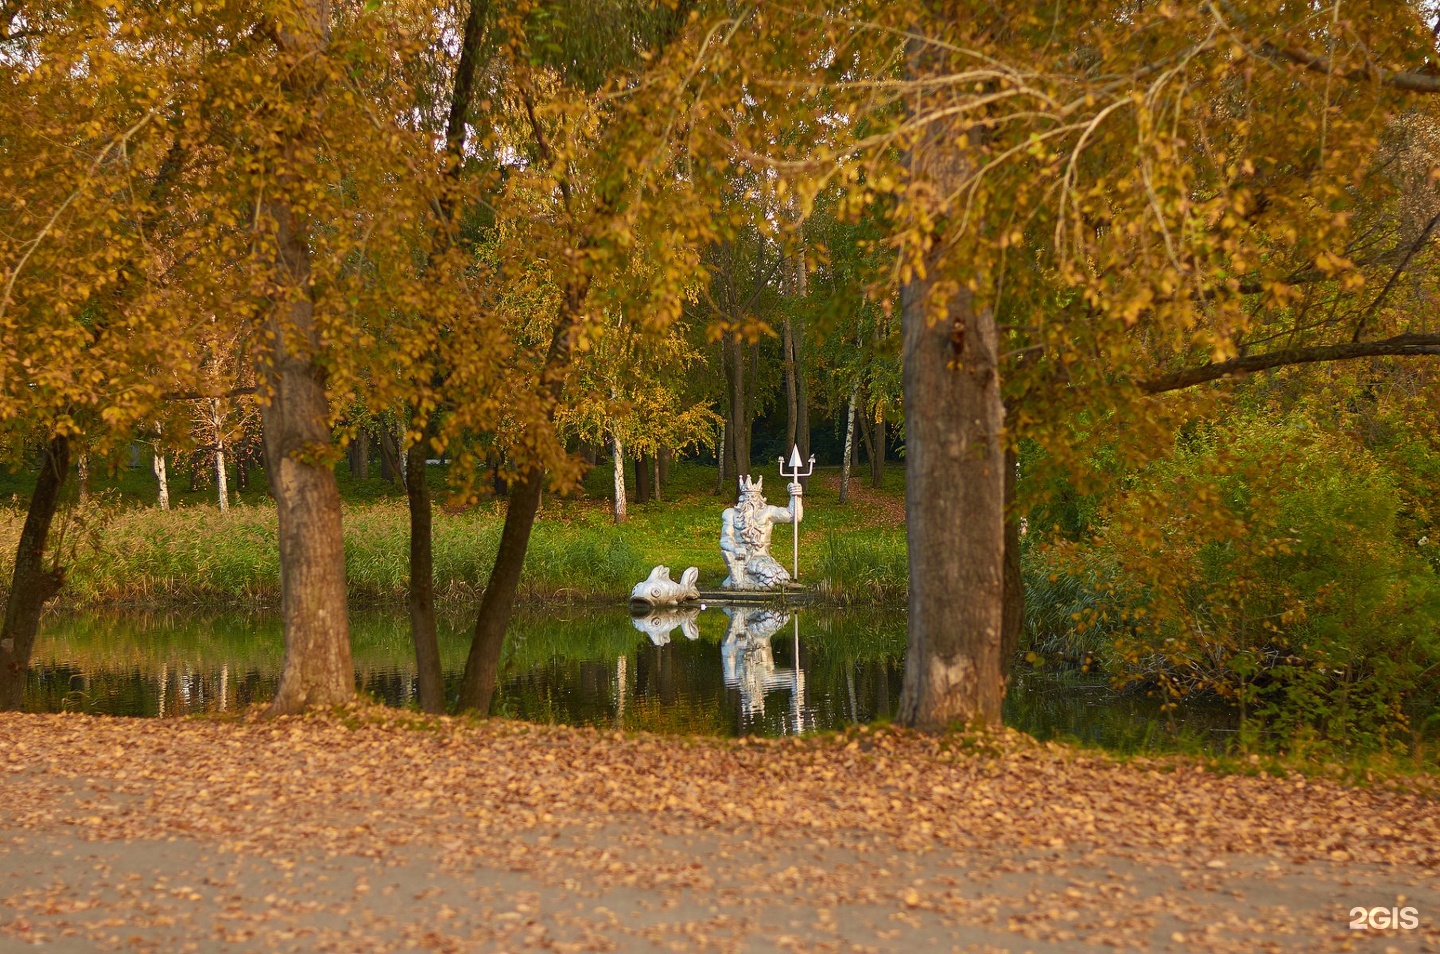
x=123, y=550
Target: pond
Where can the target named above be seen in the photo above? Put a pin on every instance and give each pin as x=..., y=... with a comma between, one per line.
x=717, y=671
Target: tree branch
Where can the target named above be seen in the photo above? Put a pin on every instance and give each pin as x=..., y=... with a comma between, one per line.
x=198, y=396
x=1406, y=81
x=1395, y=276
x=1408, y=345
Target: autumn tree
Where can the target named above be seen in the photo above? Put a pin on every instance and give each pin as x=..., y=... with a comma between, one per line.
x=629, y=393
x=593, y=188
x=93, y=326
x=1090, y=206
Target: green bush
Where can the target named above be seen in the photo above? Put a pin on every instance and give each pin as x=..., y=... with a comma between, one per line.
x=1263, y=563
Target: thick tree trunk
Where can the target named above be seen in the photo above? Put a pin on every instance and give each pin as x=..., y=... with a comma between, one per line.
x=1014, y=611
x=849, y=446
x=955, y=512
x=162, y=478
x=617, y=455
x=423, y=629
x=498, y=603
x=662, y=468
x=317, y=669
x=32, y=584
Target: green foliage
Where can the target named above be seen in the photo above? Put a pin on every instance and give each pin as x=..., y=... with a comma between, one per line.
x=1262, y=563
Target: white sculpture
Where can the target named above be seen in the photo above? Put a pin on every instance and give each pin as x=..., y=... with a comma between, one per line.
x=745, y=531
x=660, y=624
x=659, y=590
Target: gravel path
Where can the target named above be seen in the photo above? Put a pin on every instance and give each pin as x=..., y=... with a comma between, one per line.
x=379, y=831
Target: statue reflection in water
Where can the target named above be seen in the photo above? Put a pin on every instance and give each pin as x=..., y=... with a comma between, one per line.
x=660, y=624
x=747, y=656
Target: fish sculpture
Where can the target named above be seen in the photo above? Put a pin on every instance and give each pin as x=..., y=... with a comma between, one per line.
x=659, y=590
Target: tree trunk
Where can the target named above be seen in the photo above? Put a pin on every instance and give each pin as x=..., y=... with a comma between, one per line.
x=499, y=483
x=877, y=451
x=867, y=437
x=423, y=629
x=1014, y=611
x=222, y=484
x=618, y=456
x=498, y=604
x=802, y=402
x=82, y=475
x=662, y=468
x=360, y=457
x=244, y=455
x=162, y=478
x=955, y=512
x=792, y=394
x=644, y=488
x=32, y=584
x=740, y=391
x=317, y=669
x=389, y=455
x=954, y=467
x=723, y=458
x=849, y=445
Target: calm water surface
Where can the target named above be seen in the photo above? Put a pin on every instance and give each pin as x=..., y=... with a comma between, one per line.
x=717, y=671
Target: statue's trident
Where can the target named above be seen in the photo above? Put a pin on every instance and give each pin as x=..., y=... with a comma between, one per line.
x=795, y=474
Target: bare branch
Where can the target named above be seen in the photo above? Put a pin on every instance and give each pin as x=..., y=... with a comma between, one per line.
x=1404, y=345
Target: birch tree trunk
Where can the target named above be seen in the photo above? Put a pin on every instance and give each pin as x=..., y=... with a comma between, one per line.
x=849, y=445
x=617, y=453
x=222, y=483
x=162, y=478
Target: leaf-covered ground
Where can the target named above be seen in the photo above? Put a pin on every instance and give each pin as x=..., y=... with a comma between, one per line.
x=375, y=831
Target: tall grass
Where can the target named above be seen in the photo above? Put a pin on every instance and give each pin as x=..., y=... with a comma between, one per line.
x=119, y=550
x=200, y=555
x=864, y=566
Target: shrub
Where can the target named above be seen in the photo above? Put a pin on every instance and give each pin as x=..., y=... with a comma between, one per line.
x=1262, y=563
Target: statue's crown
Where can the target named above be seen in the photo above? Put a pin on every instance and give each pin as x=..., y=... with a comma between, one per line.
x=747, y=486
